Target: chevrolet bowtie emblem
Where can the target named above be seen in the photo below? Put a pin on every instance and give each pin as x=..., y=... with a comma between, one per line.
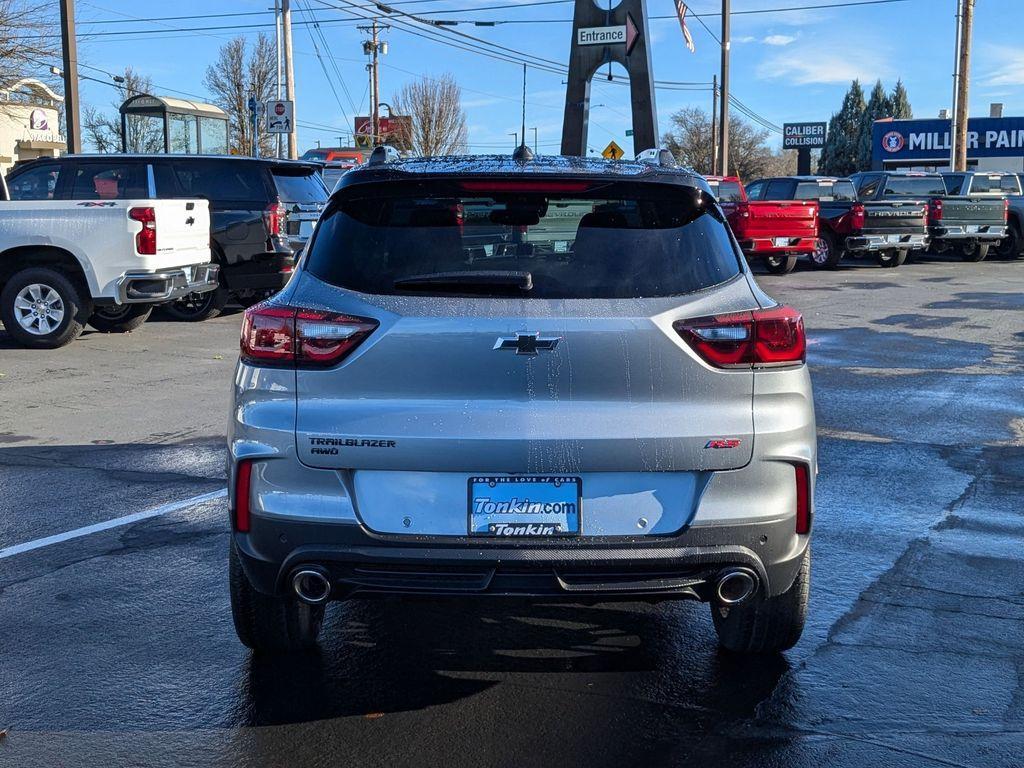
x=527, y=343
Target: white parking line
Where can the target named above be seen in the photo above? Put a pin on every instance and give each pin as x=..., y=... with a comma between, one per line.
x=163, y=509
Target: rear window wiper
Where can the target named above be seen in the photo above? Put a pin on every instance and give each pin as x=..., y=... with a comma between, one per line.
x=470, y=280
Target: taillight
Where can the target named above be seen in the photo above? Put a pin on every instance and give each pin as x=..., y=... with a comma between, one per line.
x=857, y=216
x=243, y=483
x=762, y=338
x=803, y=498
x=274, y=216
x=934, y=211
x=145, y=239
x=743, y=209
x=1006, y=211
x=289, y=336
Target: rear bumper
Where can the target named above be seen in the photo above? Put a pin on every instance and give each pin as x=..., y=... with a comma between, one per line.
x=360, y=563
x=771, y=246
x=267, y=272
x=165, y=285
x=984, y=233
x=871, y=243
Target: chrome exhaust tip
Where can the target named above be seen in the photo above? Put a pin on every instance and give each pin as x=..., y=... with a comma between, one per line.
x=311, y=586
x=736, y=586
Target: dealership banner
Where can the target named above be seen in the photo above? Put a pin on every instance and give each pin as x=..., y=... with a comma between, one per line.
x=929, y=139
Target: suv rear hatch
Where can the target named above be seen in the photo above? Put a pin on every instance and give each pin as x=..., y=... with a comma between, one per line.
x=523, y=328
x=301, y=191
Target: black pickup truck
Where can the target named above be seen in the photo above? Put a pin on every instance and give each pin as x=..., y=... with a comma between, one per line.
x=969, y=226
x=887, y=229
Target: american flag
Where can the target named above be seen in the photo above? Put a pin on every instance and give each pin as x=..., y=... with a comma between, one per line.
x=681, y=12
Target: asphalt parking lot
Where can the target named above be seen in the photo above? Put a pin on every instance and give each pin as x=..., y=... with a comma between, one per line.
x=116, y=646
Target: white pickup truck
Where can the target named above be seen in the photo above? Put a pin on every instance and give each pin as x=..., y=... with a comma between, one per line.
x=106, y=263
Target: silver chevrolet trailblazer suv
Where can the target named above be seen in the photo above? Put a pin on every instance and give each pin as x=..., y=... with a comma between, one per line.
x=549, y=377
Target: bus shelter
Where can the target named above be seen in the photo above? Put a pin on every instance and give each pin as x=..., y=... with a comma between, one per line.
x=188, y=127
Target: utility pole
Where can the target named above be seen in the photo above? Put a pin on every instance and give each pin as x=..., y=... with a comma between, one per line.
x=70, y=50
x=963, y=86
x=289, y=73
x=723, y=122
x=714, y=125
x=277, y=50
x=375, y=87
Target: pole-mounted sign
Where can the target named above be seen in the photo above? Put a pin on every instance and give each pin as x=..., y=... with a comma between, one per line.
x=601, y=36
x=803, y=137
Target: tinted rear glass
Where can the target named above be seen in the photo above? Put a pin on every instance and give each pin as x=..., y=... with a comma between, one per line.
x=726, y=191
x=914, y=186
x=617, y=241
x=219, y=180
x=1002, y=184
x=299, y=187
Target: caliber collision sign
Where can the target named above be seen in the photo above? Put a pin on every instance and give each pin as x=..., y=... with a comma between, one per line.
x=803, y=135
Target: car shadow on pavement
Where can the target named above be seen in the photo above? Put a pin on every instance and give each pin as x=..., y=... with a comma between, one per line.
x=395, y=655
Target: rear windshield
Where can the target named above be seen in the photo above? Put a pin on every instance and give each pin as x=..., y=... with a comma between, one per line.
x=1006, y=184
x=616, y=241
x=726, y=191
x=826, y=191
x=915, y=186
x=299, y=187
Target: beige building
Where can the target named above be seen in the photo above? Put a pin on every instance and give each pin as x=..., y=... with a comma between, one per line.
x=29, y=123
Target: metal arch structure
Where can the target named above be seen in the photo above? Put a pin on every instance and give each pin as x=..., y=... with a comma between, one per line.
x=633, y=53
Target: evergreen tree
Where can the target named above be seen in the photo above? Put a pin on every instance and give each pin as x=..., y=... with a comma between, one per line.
x=839, y=157
x=901, y=103
x=879, y=107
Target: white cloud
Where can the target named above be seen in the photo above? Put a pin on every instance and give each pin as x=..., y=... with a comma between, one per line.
x=779, y=40
x=810, y=66
x=1004, y=66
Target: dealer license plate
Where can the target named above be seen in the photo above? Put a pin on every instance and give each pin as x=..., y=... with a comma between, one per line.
x=782, y=242
x=511, y=505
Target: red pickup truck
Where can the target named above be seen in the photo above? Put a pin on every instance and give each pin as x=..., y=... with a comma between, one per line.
x=779, y=231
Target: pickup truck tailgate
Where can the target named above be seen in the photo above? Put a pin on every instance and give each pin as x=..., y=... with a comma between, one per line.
x=967, y=210
x=895, y=217
x=183, y=229
x=773, y=219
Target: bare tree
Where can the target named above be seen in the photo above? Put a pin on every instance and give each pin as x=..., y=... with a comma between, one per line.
x=236, y=75
x=102, y=129
x=438, y=124
x=29, y=39
x=749, y=153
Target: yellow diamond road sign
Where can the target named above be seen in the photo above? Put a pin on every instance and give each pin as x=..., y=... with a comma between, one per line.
x=613, y=151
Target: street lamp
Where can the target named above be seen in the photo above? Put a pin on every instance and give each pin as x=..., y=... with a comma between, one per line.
x=516, y=135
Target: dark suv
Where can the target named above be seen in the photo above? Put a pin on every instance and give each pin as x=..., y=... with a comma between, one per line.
x=261, y=211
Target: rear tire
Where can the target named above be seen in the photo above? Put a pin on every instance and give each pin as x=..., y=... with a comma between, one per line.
x=780, y=265
x=197, y=307
x=269, y=623
x=827, y=254
x=891, y=259
x=973, y=251
x=1010, y=247
x=63, y=308
x=766, y=625
x=120, y=319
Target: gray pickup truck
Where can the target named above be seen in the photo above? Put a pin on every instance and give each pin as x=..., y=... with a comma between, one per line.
x=968, y=226
x=995, y=185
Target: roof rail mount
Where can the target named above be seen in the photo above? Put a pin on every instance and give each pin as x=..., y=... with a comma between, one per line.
x=383, y=154
x=657, y=157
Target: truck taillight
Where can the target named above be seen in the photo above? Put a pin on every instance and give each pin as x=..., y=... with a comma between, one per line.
x=934, y=211
x=857, y=216
x=274, y=216
x=803, y=498
x=1006, y=210
x=145, y=239
x=283, y=336
x=758, y=339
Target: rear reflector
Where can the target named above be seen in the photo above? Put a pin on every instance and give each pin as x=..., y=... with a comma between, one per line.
x=243, y=483
x=285, y=336
x=803, y=498
x=762, y=338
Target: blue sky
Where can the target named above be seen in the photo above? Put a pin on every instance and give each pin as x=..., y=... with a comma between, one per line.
x=786, y=66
